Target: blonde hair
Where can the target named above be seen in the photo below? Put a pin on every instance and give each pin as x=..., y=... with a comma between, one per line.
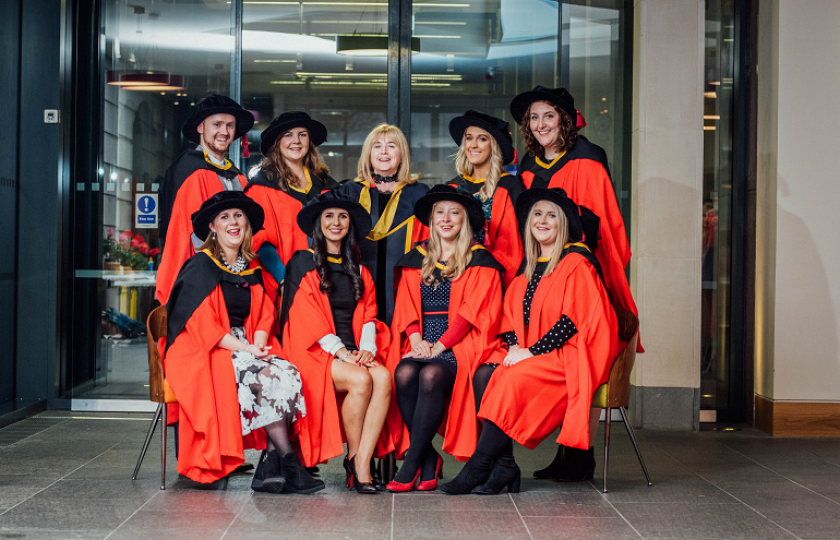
x=364, y=171
x=464, y=168
x=457, y=265
x=532, y=246
x=212, y=245
x=276, y=169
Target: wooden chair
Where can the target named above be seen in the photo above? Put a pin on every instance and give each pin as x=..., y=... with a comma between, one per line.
x=615, y=394
x=159, y=390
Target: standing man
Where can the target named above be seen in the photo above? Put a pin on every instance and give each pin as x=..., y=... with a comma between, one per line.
x=195, y=176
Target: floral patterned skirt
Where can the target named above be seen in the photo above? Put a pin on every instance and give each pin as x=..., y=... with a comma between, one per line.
x=269, y=390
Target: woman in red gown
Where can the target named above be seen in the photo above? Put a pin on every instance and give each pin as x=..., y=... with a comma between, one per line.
x=561, y=335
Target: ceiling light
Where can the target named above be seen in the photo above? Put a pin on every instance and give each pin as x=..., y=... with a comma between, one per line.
x=711, y=117
x=709, y=128
x=712, y=95
x=368, y=44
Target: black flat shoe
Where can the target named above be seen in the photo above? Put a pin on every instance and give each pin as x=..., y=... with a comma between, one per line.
x=298, y=480
x=553, y=470
x=268, y=477
x=505, y=474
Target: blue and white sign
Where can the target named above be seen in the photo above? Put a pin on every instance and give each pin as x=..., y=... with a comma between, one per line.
x=146, y=211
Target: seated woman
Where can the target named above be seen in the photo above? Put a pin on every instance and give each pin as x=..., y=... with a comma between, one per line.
x=485, y=147
x=330, y=332
x=219, y=317
x=561, y=333
x=445, y=325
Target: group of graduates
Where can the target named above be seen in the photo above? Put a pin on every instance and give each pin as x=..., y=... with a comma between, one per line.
x=304, y=314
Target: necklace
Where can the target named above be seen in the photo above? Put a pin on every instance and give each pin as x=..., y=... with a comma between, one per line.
x=238, y=266
x=379, y=179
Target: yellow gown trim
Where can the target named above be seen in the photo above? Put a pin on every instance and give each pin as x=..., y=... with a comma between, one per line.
x=542, y=164
x=308, y=183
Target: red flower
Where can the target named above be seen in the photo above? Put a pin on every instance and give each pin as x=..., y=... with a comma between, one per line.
x=154, y=252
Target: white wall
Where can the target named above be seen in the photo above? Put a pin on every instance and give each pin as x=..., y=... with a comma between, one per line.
x=798, y=215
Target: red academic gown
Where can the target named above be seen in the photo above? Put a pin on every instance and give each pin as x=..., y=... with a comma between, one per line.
x=196, y=188
x=307, y=318
x=280, y=229
x=477, y=297
x=502, y=234
x=202, y=377
x=535, y=396
x=583, y=173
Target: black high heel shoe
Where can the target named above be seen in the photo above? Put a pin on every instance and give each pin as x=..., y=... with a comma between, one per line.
x=578, y=465
x=553, y=470
x=475, y=472
x=505, y=474
x=367, y=488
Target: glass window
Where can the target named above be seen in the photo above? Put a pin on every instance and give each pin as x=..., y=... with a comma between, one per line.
x=718, y=176
x=328, y=59
x=155, y=62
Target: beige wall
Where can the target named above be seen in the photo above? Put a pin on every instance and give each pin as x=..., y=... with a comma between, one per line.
x=798, y=200
x=667, y=189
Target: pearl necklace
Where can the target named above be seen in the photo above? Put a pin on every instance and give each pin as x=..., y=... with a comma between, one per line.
x=238, y=267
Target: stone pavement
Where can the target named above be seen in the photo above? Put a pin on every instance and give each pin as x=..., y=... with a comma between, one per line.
x=67, y=475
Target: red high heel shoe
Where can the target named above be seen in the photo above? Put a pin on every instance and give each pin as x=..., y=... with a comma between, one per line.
x=399, y=487
x=431, y=485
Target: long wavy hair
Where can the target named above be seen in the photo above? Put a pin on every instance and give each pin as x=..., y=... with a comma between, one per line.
x=351, y=260
x=465, y=168
x=532, y=246
x=278, y=171
x=457, y=264
x=568, y=133
x=212, y=245
x=364, y=170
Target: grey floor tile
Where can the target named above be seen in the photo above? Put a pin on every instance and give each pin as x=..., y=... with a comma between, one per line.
x=54, y=534
x=569, y=528
x=434, y=502
x=557, y=504
x=12, y=495
x=68, y=514
x=688, y=520
x=186, y=520
x=457, y=525
x=166, y=533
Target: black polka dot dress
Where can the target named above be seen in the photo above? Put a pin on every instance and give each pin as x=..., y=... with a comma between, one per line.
x=434, y=301
x=562, y=331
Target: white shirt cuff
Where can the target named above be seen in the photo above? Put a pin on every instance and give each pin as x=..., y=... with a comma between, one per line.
x=368, y=339
x=331, y=343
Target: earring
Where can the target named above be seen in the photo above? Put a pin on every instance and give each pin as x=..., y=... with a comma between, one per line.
x=214, y=236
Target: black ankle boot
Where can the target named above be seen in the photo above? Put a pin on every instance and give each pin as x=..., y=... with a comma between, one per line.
x=505, y=474
x=474, y=473
x=298, y=480
x=553, y=470
x=578, y=465
x=267, y=477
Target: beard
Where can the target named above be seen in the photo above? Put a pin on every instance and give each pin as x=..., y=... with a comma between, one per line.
x=212, y=144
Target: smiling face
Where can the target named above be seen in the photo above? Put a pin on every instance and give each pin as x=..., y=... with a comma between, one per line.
x=230, y=226
x=545, y=224
x=335, y=224
x=217, y=133
x=385, y=156
x=544, y=122
x=447, y=219
x=294, y=144
x=477, y=146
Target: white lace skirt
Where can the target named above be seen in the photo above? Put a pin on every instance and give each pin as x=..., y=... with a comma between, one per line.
x=269, y=390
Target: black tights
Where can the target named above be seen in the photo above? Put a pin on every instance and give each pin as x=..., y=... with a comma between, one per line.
x=493, y=440
x=421, y=396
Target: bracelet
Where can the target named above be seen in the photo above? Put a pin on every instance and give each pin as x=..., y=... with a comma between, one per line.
x=344, y=357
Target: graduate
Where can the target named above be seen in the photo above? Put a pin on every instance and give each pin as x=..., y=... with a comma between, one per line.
x=557, y=156
x=330, y=332
x=385, y=187
x=445, y=325
x=562, y=336
x=485, y=146
x=197, y=174
x=220, y=357
x=291, y=174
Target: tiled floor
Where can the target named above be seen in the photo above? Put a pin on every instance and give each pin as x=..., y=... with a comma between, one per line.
x=67, y=475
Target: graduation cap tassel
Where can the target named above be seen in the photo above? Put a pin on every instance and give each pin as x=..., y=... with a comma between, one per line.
x=245, y=152
x=581, y=121
x=515, y=157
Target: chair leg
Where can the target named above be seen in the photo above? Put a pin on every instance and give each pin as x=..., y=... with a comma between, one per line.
x=148, y=440
x=388, y=466
x=606, y=446
x=163, y=449
x=635, y=444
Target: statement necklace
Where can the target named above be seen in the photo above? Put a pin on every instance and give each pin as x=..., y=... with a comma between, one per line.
x=379, y=179
x=238, y=267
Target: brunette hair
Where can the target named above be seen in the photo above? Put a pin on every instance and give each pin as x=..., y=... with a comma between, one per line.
x=464, y=168
x=457, y=265
x=278, y=171
x=532, y=247
x=364, y=170
x=351, y=260
x=212, y=245
x=568, y=132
